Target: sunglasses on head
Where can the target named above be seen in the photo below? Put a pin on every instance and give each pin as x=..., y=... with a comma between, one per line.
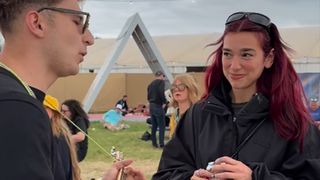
x=256, y=18
x=179, y=87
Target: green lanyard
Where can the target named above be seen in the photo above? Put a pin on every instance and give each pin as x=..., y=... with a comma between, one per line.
x=29, y=90
x=31, y=93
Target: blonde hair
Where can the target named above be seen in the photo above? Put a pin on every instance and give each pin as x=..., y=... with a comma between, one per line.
x=59, y=128
x=192, y=86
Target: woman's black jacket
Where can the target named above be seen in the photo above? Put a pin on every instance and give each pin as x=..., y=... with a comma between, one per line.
x=211, y=130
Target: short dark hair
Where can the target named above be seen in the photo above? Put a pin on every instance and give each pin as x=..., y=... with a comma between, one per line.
x=158, y=73
x=11, y=9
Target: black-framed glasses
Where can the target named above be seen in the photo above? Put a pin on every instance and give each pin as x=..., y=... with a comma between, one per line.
x=84, y=16
x=178, y=87
x=256, y=18
x=64, y=110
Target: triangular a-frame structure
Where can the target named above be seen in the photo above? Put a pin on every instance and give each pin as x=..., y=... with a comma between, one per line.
x=135, y=27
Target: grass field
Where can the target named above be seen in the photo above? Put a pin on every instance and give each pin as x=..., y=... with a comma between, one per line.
x=146, y=158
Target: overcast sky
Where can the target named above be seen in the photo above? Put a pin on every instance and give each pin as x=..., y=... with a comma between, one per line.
x=170, y=17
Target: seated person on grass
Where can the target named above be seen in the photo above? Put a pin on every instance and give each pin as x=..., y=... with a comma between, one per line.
x=113, y=119
x=139, y=110
x=124, y=105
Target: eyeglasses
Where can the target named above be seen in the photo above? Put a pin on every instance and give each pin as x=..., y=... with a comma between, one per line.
x=256, y=18
x=314, y=99
x=64, y=110
x=84, y=16
x=179, y=87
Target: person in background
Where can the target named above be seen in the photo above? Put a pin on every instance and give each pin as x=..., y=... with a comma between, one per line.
x=252, y=122
x=112, y=119
x=185, y=92
x=124, y=105
x=65, y=152
x=72, y=109
x=157, y=102
x=43, y=41
x=314, y=108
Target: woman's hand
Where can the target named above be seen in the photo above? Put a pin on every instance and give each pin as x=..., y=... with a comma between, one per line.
x=228, y=168
x=201, y=174
x=130, y=173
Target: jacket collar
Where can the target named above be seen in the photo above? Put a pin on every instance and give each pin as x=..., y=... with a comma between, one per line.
x=219, y=102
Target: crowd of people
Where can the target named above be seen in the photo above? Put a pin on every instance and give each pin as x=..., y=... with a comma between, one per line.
x=251, y=123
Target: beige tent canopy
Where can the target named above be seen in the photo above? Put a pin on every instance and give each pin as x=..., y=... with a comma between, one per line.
x=181, y=50
x=190, y=50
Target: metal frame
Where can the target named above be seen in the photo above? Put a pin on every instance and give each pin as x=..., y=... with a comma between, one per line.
x=135, y=27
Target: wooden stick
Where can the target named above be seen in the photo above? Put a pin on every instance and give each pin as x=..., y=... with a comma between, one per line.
x=121, y=175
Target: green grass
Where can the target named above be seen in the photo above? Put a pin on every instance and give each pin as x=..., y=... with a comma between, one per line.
x=128, y=141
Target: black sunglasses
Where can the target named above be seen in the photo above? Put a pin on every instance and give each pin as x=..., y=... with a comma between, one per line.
x=84, y=15
x=256, y=18
x=179, y=87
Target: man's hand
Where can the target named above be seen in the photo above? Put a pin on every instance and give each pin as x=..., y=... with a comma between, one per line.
x=130, y=173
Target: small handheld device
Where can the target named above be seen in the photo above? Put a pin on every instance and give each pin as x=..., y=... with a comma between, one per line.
x=209, y=166
x=118, y=156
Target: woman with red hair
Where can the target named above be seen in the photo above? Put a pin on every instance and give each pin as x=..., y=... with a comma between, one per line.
x=252, y=123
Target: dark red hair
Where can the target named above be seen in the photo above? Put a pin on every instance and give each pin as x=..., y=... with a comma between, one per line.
x=280, y=83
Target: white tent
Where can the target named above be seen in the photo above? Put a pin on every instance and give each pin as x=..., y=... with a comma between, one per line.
x=190, y=50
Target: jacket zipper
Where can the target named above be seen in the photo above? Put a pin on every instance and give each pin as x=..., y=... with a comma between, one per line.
x=234, y=119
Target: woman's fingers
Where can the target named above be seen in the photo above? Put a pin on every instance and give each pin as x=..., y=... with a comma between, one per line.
x=201, y=174
x=228, y=168
x=227, y=160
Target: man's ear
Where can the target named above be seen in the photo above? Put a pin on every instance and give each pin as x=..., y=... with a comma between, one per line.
x=269, y=59
x=35, y=23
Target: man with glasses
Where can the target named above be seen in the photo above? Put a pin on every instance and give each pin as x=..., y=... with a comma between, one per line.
x=44, y=40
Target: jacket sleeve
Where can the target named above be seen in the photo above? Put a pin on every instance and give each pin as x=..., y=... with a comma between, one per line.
x=27, y=141
x=80, y=122
x=178, y=158
x=297, y=164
